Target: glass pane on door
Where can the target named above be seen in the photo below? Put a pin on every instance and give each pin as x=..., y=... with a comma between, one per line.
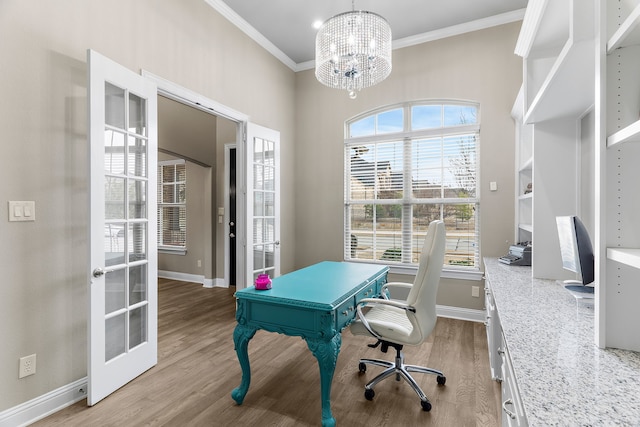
x=263, y=206
x=126, y=221
x=115, y=336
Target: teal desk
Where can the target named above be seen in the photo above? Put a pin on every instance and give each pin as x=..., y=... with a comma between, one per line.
x=314, y=303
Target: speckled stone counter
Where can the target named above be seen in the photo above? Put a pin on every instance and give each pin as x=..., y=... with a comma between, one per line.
x=563, y=377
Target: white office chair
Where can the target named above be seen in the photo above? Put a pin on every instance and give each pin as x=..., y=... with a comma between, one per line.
x=397, y=323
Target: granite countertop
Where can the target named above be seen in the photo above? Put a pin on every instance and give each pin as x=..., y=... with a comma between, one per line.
x=564, y=379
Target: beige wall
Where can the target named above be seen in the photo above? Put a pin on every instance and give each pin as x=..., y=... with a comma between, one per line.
x=43, y=79
x=191, y=134
x=199, y=235
x=478, y=66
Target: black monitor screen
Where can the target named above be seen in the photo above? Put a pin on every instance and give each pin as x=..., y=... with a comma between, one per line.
x=575, y=248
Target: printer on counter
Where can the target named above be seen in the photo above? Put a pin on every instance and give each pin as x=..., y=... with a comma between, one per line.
x=519, y=254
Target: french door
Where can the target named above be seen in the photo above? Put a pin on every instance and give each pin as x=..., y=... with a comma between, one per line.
x=122, y=330
x=263, y=202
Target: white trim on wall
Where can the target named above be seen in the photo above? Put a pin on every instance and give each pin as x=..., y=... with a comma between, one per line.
x=42, y=406
x=192, y=278
x=188, y=97
x=459, y=313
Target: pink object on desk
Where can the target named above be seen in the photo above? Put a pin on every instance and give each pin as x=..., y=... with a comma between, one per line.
x=263, y=282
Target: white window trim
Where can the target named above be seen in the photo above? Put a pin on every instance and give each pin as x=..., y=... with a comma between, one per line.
x=166, y=249
x=464, y=273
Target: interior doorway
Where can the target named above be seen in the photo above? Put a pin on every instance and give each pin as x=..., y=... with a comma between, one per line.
x=231, y=200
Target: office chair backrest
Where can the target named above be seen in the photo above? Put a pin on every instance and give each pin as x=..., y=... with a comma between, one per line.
x=425, y=286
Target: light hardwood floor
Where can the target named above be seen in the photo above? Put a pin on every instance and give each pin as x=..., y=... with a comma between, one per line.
x=197, y=369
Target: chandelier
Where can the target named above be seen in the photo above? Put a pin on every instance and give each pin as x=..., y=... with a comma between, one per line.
x=353, y=51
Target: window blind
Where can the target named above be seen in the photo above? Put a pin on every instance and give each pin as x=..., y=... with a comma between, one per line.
x=398, y=181
x=172, y=208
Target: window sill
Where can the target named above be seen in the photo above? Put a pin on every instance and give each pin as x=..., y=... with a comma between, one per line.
x=447, y=272
x=172, y=251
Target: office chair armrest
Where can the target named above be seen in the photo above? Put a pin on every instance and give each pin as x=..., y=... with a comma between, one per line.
x=392, y=285
x=377, y=301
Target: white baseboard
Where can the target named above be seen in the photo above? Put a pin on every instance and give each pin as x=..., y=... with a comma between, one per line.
x=45, y=405
x=214, y=283
x=193, y=278
x=469, y=314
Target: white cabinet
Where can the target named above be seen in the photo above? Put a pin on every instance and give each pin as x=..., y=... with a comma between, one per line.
x=512, y=407
x=619, y=243
x=494, y=336
x=512, y=413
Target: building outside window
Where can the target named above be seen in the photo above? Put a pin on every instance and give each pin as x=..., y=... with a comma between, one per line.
x=408, y=165
x=172, y=206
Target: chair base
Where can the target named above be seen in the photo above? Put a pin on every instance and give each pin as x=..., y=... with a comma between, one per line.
x=402, y=372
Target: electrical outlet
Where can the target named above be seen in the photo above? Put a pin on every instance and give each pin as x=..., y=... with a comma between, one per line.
x=199, y=263
x=475, y=291
x=27, y=366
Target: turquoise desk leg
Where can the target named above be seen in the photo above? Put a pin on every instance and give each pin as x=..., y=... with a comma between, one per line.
x=241, y=337
x=327, y=354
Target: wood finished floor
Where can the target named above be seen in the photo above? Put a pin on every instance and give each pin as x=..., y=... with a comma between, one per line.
x=197, y=369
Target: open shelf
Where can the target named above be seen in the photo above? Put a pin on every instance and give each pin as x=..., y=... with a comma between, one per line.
x=526, y=227
x=630, y=133
x=527, y=165
x=627, y=256
x=572, y=71
x=628, y=34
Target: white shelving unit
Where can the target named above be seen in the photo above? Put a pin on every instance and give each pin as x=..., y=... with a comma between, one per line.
x=524, y=173
x=619, y=273
x=557, y=45
x=557, y=42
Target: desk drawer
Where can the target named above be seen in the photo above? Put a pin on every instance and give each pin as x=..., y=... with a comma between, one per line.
x=345, y=313
x=369, y=291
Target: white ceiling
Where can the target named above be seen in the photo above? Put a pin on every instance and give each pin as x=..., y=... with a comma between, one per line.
x=285, y=27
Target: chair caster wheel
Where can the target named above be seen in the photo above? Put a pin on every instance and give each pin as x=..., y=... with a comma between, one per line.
x=441, y=379
x=362, y=367
x=369, y=393
x=426, y=405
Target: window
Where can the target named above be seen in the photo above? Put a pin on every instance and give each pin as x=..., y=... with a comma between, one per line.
x=405, y=167
x=172, y=206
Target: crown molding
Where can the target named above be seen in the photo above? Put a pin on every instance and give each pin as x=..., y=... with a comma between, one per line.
x=244, y=26
x=455, y=30
x=530, y=25
x=479, y=24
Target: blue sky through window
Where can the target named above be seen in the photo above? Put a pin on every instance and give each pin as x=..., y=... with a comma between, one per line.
x=391, y=121
x=426, y=117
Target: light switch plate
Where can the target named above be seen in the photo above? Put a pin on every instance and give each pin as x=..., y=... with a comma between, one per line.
x=22, y=211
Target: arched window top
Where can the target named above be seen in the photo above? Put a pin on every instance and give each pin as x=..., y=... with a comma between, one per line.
x=415, y=116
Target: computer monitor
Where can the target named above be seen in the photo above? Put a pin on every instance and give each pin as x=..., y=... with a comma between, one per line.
x=577, y=253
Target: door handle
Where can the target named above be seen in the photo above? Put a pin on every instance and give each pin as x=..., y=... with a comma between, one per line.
x=99, y=272
x=277, y=242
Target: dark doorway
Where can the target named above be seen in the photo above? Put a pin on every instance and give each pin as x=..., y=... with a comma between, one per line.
x=232, y=217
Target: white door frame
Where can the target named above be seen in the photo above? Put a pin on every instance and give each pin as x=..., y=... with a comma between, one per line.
x=185, y=96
